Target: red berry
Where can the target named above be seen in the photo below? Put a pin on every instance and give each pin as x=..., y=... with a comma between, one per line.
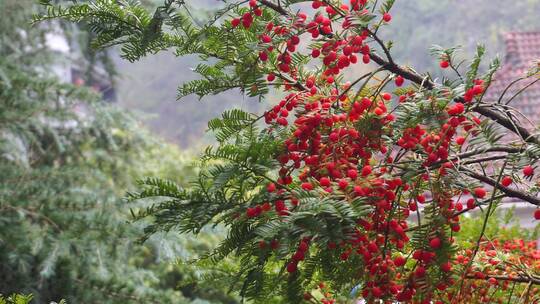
x=271, y=187
x=435, y=243
x=528, y=171
x=537, y=214
x=387, y=96
x=480, y=192
x=303, y=246
x=247, y=20
x=266, y=207
x=307, y=186
x=251, y=212
x=420, y=271
x=399, y=261
x=471, y=203
x=366, y=170
x=446, y=267
x=325, y=182
x=444, y=64
x=266, y=39
x=352, y=174
x=399, y=81
x=235, y=22
x=376, y=292
x=343, y=184
x=478, y=89
x=366, y=58
x=292, y=267
x=387, y=17
x=299, y=256
x=506, y=181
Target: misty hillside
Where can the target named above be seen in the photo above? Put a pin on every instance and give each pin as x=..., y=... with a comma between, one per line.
x=149, y=86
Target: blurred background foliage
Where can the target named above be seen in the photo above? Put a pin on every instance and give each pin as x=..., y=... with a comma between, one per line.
x=66, y=160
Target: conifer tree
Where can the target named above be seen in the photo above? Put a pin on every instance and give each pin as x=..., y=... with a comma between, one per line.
x=349, y=182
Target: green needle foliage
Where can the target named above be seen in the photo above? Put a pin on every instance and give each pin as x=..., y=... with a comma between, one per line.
x=16, y=299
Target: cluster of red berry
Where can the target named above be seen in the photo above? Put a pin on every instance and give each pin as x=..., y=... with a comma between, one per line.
x=346, y=145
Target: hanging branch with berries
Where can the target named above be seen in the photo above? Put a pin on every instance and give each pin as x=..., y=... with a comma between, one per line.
x=359, y=183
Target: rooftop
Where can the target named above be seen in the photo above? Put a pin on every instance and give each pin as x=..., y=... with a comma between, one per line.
x=522, y=51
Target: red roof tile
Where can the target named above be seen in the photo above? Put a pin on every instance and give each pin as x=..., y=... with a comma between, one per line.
x=522, y=50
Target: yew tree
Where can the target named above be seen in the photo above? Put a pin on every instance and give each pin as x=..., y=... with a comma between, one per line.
x=353, y=184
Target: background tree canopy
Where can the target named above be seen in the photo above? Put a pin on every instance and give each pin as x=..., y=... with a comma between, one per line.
x=67, y=158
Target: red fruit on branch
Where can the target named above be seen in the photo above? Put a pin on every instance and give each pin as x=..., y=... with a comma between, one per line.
x=471, y=204
x=352, y=174
x=366, y=170
x=399, y=261
x=303, y=246
x=506, y=181
x=247, y=20
x=263, y=56
x=528, y=171
x=480, y=192
x=307, y=186
x=251, y=212
x=460, y=140
x=324, y=181
x=435, y=243
x=444, y=64
x=343, y=184
x=292, y=267
x=420, y=271
x=399, y=81
x=446, y=267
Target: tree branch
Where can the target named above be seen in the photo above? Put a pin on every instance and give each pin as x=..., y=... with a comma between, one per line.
x=277, y=8
x=508, y=191
x=507, y=123
x=480, y=109
x=520, y=279
x=486, y=150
